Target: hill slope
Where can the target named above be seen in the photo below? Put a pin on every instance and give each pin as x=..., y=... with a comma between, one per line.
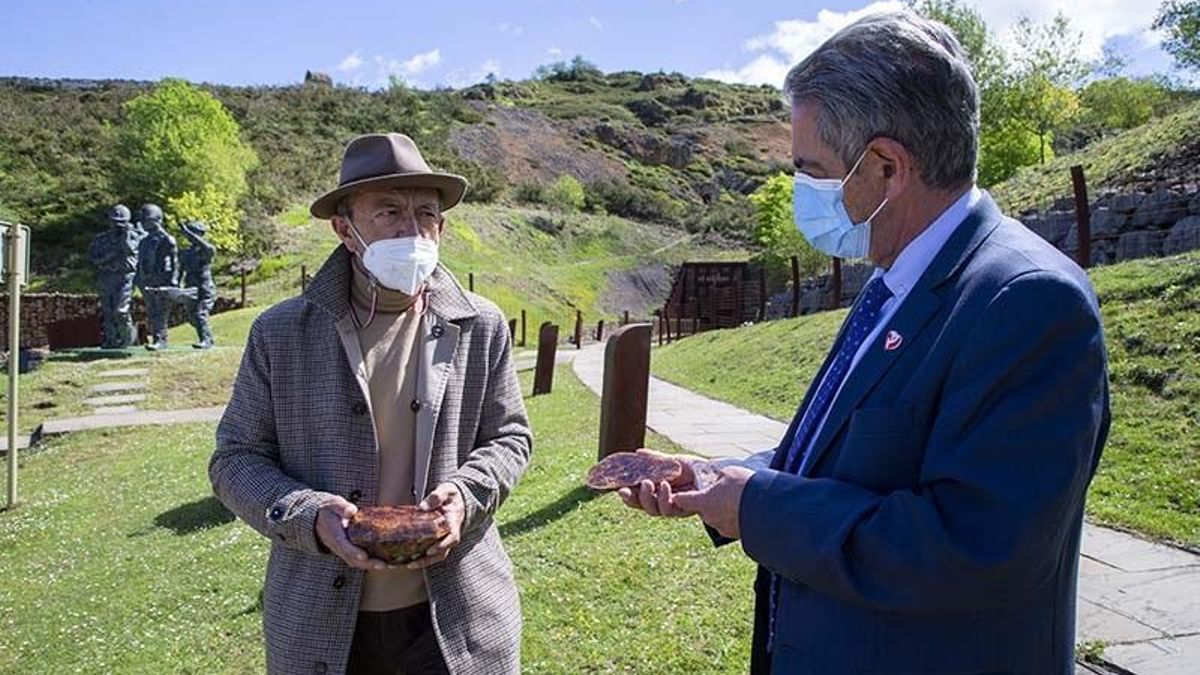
x=1164, y=152
x=655, y=147
x=1150, y=473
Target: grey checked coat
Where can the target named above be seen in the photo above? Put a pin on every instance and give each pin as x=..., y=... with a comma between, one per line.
x=299, y=429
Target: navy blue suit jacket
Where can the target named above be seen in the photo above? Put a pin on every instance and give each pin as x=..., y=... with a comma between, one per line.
x=936, y=527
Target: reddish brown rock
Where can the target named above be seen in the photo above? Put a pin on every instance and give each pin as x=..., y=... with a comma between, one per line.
x=396, y=534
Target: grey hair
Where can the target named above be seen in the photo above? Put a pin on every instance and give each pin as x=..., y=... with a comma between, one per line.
x=900, y=76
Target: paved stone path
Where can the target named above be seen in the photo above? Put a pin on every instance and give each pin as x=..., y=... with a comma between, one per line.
x=1141, y=598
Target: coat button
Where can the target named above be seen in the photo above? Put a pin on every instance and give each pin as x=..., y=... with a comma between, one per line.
x=354, y=496
x=359, y=408
x=320, y=668
x=415, y=405
x=276, y=513
x=438, y=331
x=339, y=581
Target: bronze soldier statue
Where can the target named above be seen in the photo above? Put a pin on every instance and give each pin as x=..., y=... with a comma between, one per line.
x=114, y=254
x=157, y=274
x=196, y=262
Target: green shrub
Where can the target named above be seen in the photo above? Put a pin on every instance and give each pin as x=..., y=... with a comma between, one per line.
x=529, y=193
x=565, y=194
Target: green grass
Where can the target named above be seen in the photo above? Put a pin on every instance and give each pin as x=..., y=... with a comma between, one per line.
x=1104, y=162
x=119, y=560
x=177, y=378
x=1149, y=478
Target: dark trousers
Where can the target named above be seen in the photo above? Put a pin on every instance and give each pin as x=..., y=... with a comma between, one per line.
x=399, y=642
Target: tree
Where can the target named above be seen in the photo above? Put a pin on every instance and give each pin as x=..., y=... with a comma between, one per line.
x=179, y=140
x=775, y=228
x=1041, y=96
x=1004, y=147
x=1122, y=102
x=1181, y=21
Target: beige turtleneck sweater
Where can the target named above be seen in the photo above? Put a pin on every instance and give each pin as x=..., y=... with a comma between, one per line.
x=390, y=353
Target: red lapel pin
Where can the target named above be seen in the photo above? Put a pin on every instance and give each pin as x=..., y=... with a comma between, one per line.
x=892, y=342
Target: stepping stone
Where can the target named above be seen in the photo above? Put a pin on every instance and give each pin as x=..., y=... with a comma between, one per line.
x=118, y=399
x=132, y=419
x=127, y=372
x=111, y=387
x=22, y=443
x=114, y=409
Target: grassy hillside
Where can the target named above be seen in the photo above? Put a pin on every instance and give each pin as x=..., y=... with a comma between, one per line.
x=1164, y=147
x=1149, y=479
x=545, y=262
x=656, y=147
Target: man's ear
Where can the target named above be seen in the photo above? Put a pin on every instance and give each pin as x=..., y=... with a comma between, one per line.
x=342, y=229
x=894, y=164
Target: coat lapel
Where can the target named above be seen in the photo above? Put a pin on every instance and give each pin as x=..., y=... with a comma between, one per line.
x=439, y=341
x=441, y=328
x=909, y=320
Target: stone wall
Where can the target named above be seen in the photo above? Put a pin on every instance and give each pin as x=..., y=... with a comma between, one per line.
x=40, y=310
x=1126, y=225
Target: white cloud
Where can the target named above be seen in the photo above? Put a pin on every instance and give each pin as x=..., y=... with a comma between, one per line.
x=351, y=62
x=462, y=77
x=763, y=69
x=509, y=28
x=771, y=55
x=421, y=62
x=554, y=51
x=595, y=23
x=1102, y=19
x=790, y=42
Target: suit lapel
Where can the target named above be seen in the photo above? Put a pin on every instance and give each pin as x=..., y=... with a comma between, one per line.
x=914, y=313
x=438, y=343
x=909, y=320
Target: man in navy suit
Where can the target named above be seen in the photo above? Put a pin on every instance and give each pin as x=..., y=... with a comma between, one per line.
x=923, y=512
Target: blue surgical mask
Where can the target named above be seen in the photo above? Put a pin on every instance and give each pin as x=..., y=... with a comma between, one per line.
x=822, y=218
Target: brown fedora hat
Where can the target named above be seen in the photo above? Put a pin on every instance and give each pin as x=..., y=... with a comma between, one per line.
x=387, y=160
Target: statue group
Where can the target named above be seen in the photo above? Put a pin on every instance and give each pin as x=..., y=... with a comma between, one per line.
x=140, y=253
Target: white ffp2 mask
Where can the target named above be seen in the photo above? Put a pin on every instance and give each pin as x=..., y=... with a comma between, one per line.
x=401, y=264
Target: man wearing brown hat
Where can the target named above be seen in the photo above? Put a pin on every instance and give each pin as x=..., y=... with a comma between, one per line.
x=386, y=383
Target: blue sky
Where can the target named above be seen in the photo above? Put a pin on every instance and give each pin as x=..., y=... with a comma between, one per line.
x=457, y=43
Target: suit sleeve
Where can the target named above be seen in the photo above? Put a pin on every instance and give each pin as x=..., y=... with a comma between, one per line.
x=504, y=441
x=244, y=469
x=1007, y=464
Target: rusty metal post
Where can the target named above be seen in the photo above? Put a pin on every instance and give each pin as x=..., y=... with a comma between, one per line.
x=243, y=288
x=578, y=329
x=600, y=331
x=512, y=332
x=1083, y=218
x=543, y=377
x=666, y=315
x=522, y=328
x=626, y=319
x=660, y=330
x=795, y=286
x=471, y=281
x=626, y=389
x=835, y=293
x=303, y=278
